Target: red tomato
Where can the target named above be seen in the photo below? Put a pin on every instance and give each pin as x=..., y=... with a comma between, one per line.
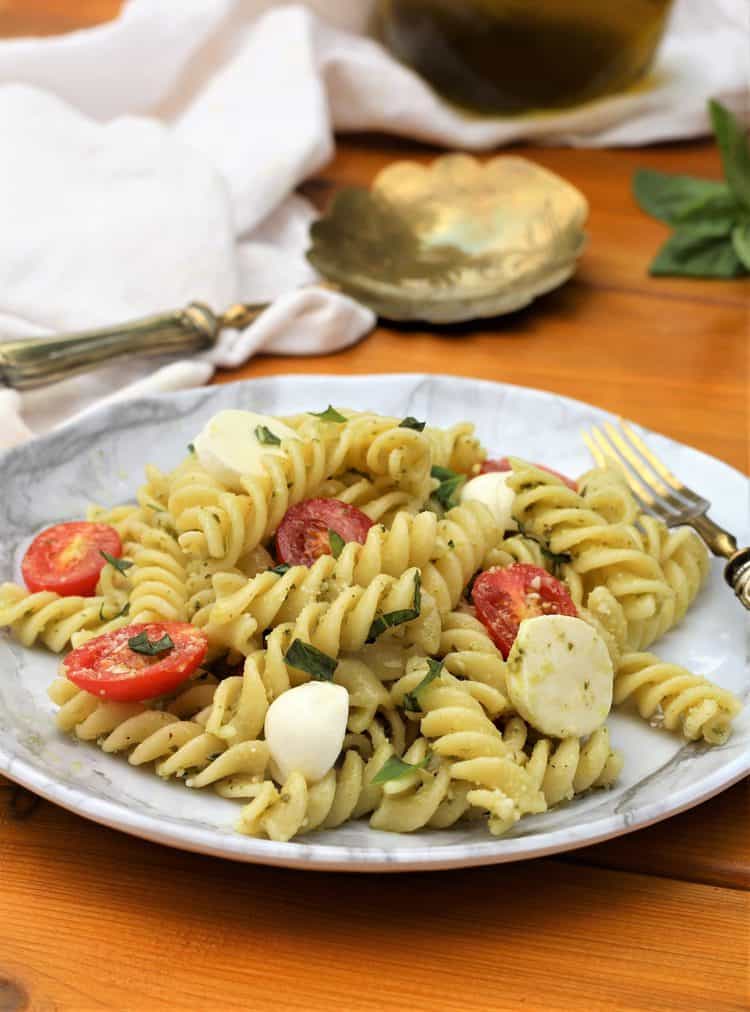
x=107, y=667
x=303, y=535
x=504, y=597
x=503, y=464
x=67, y=558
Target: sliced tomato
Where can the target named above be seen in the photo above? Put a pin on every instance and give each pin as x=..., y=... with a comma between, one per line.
x=503, y=464
x=304, y=533
x=504, y=597
x=107, y=666
x=67, y=558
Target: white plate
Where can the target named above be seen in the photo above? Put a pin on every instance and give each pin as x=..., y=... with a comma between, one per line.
x=101, y=458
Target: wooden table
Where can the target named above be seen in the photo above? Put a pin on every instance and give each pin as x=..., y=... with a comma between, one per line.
x=92, y=919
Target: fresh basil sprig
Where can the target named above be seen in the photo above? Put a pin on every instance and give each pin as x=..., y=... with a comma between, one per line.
x=411, y=699
x=121, y=565
x=282, y=568
x=395, y=768
x=711, y=219
x=319, y=666
x=264, y=435
x=394, y=618
x=329, y=415
x=141, y=644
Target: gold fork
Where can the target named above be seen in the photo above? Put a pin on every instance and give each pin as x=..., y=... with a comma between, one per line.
x=663, y=495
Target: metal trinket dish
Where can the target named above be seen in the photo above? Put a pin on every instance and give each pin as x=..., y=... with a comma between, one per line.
x=452, y=241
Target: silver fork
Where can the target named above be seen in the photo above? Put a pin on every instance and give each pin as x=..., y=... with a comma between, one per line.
x=663, y=495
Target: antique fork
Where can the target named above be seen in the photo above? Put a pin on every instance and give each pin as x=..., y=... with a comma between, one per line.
x=663, y=495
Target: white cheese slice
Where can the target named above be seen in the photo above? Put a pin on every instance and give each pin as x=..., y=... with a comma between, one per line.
x=560, y=676
x=492, y=490
x=228, y=446
x=305, y=728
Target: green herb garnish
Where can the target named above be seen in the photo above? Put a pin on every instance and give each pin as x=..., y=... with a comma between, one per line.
x=264, y=435
x=450, y=485
x=336, y=542
x=280, y=569
x=329, y=415
x=120, y=564
x=410, y=422
x=125, y=610
x=141, y=644
x=711, y=219
x=395, y=768
x=191, y=448
x=411, y=701
x=394, y=618
x=319, y=666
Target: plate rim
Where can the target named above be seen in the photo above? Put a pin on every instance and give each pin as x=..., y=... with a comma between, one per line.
x=309, y=854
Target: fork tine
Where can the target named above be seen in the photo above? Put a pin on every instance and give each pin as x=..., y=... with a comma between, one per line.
x=604, y=449
x=680, y=487
x=652, y=480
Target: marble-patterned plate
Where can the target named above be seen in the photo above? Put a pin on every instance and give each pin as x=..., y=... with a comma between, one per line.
x=101, y=458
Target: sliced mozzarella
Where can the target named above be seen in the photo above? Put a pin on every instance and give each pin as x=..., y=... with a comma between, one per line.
x=228, y=446
x=492, y=490
x=560, y=676
x=305, y=729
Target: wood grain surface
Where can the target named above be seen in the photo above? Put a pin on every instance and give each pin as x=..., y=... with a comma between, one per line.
x=656, y=920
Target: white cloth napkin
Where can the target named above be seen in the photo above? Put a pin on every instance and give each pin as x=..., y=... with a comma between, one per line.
x=153, y=160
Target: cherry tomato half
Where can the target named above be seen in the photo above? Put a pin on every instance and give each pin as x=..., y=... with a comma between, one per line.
x=504, y=597
x=503, y=464
x=303, y=534
x=107, y=667
x=67, y=558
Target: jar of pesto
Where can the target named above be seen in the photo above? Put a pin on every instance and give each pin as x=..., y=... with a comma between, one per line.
x=512, y=56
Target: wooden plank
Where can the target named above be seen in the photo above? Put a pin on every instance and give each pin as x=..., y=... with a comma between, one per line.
x=708, y=844
x=94, y=919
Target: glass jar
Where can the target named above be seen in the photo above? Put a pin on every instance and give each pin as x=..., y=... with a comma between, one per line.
x=509, y=56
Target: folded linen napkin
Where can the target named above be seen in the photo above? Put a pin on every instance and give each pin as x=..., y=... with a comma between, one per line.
x=152, y=160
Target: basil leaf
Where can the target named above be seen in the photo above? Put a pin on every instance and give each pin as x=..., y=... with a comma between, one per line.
x=411, y=423
x=741, y=243
x=281, y=569
x=121, y=565
x=329, y=415
x=319, y=666
x=264, y=435
x=191, y=448
x=394, y=618
x=450, y=485
x=667, y=196
x=336, y=542
x=411, y=701
x=395, y=769
x=689, y=253
x=125, y=610
x=141, y=644
x=735, y=151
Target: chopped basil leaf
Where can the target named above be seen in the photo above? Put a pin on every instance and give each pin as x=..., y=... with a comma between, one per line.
x=394, y=618
x=281, y=569
x=141, y=644
x=191, y=448
x=153, y=506
x=264, y=435
x=336, y=542
x=450, y=485
x=319, y=666
x=411, y=702
x=120, y=564
x=329, y=415
x=123, y=611
x=395, y=768
x=411, y=423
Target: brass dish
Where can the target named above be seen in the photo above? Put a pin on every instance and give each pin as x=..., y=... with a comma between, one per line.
x=445, y=243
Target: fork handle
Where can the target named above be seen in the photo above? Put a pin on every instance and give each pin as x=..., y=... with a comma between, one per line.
x=737, y=575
